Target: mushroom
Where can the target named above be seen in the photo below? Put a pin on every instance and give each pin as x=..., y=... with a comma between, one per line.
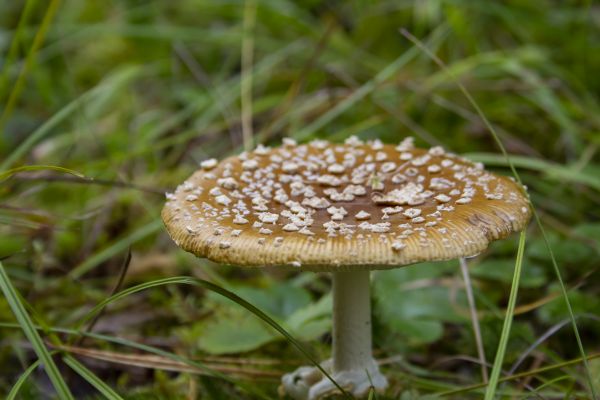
x=444, y=207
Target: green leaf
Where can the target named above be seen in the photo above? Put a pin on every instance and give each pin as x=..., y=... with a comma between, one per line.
x=566, y=251
x=581, y=302
x=591, y=232
x=410, y=302
x=313, y=320
x=229, y=330
x=418, y=331
x=278, y=299
x=502, y=270
x=232, y=330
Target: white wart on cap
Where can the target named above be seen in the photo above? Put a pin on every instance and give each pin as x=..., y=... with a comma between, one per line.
x=331, y=207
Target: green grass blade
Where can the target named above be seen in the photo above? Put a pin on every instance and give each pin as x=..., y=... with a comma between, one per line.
x=533, y=372
x=14, y=391
x=447, y=390
x=470, y=98
x=37, y=43
x=550, y=383
x=565, y=295
x=512, y=301
x=513, y=169
x=129, y=291
x=91, y=378
x=255, y=391
x=115, y=81
x=554, y=171
x=249, y=21
x=223, y=292
x=9, y=59
x=18, y=309
x=43, y=130
x=115, y=248
x=28, y=168
x=363, y=91
x=227, y=95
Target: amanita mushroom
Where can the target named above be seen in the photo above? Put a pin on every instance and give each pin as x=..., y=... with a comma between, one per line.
x=344, y=209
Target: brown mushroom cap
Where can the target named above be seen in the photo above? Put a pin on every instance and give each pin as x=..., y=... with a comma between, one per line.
x=333, y=207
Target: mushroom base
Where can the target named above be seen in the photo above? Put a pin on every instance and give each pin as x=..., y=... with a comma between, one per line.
x=352, y=365
x=308, y=383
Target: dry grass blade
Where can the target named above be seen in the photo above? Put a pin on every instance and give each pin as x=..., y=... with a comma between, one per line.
x=474, y=318
x=256, y=392
x=246, y=86
x=247, y=361
x=166, y=364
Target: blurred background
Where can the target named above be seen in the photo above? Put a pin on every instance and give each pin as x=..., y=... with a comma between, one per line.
x=133, y=94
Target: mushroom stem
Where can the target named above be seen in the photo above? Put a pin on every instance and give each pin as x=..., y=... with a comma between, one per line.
x=352, y=365
x=351, y=321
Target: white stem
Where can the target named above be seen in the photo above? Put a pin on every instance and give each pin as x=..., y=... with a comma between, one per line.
x=352, y=365
x=351, y=321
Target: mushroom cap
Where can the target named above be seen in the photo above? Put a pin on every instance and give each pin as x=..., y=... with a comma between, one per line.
x=336, y=207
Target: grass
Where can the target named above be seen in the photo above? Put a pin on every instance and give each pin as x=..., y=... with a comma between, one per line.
x=217, y=289
x=91, y=378
x=37, y=42
x=12, y=298
x=491, y=388
x=28, y=168
x=14, y=391
x=106, y=104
